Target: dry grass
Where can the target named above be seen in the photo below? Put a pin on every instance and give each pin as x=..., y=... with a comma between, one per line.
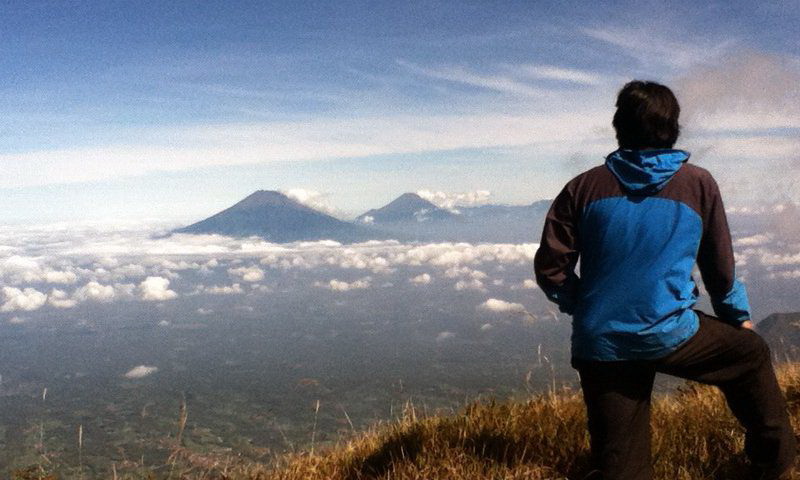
x=694, y=437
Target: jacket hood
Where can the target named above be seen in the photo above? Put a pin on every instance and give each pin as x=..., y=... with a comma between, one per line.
x=645, y=172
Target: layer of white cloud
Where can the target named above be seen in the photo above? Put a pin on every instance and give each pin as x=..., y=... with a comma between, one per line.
x=127, y=264
x=383, y=256
x=109, y=264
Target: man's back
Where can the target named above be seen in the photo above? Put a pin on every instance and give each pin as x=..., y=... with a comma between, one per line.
x=637, y=223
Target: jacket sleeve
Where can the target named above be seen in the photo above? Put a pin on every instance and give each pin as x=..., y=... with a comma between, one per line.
x=716, y=261
x=555, y=260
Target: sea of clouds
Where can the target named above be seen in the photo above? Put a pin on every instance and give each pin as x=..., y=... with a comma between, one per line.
x=60, y=266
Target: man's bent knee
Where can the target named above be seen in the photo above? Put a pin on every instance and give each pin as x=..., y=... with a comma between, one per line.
x=758, y=348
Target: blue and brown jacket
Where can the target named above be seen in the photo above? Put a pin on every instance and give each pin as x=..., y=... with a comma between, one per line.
x=638, y=225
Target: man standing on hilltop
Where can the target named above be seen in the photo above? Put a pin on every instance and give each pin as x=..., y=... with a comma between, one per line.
x=638, y=224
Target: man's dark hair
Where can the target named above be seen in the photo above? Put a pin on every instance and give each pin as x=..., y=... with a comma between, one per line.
x=647, y=116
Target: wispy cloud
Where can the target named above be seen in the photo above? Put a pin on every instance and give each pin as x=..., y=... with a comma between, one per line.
x=308, y=140
x=569, y=75
x=494, y=82
x=650, y=48
x=533, y=85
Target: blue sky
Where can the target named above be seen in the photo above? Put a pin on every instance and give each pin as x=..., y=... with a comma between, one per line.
x=173, y=110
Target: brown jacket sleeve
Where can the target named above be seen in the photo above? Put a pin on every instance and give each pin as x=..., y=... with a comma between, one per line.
x=555, y=260
x=716, y=261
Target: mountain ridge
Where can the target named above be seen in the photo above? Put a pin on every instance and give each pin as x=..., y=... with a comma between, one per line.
x=274, y=216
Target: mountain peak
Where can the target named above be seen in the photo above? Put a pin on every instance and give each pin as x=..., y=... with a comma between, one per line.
x=407, y=207
x=275, y=217
x=410, y=196
x=265, y=198
x=410, y=199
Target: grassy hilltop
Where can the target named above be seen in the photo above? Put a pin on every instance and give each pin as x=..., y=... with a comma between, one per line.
x=544, y=437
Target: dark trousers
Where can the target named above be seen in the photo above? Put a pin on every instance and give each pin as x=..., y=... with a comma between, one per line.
x=737, y=360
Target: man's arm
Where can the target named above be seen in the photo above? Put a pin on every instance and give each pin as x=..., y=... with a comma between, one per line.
x=716, y=262
x=554, y=263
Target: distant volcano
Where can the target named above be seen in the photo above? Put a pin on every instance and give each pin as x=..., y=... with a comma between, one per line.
x=410, y=216
x=277, y=218
x=408, y=207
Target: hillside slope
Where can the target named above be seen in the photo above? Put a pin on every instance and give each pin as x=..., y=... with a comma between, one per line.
x=544, y=437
